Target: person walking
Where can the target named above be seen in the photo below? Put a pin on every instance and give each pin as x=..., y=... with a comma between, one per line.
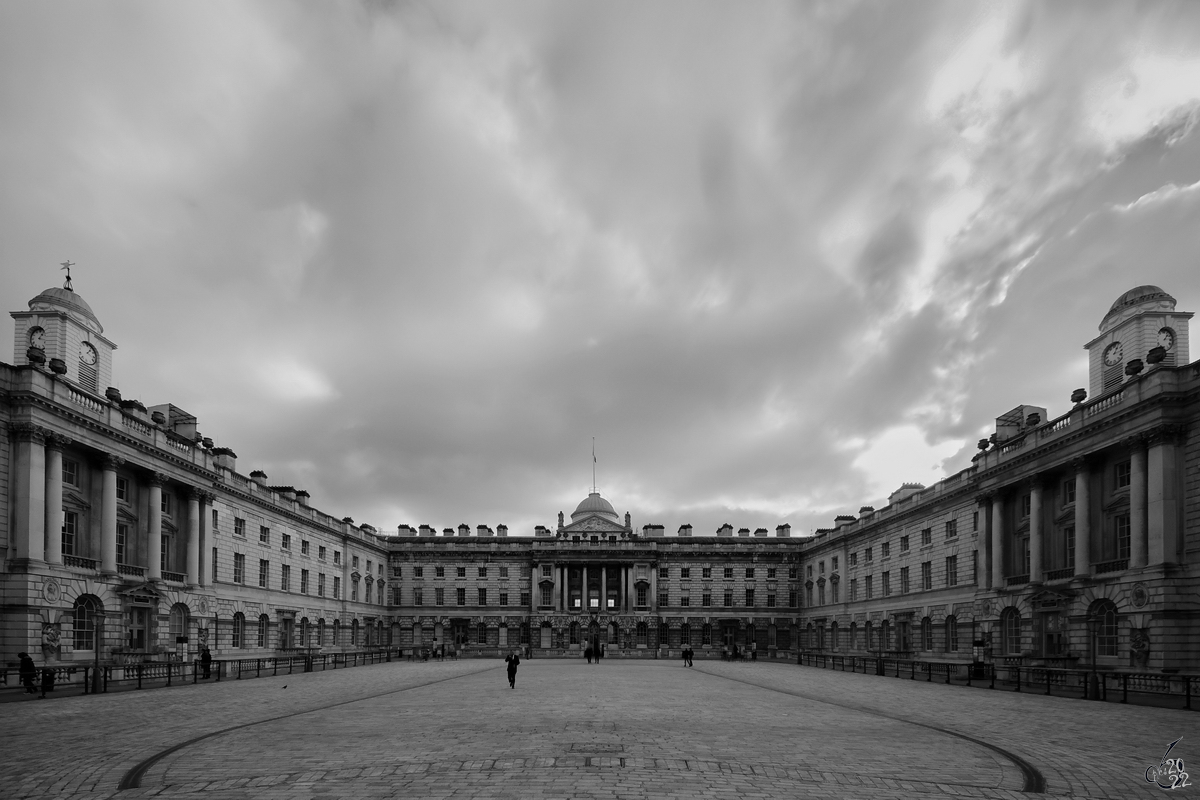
x=587, y=653
x=28, y=673
x=47, y=681
x=514, y=661
x=690, y=653
x=736, y=653
x=754, y=651
x=205, y=662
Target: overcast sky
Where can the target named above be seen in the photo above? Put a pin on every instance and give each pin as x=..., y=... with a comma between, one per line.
x=777, y=258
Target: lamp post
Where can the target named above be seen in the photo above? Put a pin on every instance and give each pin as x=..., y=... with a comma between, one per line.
x=98, y=619
x=1093, y=692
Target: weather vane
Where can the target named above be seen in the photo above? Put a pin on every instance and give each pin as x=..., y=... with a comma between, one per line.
x=67, y=266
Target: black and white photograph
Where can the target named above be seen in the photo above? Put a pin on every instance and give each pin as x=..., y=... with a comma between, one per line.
x=599, y=400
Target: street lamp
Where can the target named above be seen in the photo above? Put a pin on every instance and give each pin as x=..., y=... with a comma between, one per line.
x=1093, y=691
x=98, y=632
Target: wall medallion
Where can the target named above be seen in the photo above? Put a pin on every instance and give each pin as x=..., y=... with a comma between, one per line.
x=1139, y=596
x=51, y=591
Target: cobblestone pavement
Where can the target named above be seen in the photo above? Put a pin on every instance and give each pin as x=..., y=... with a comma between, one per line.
x=617, y=730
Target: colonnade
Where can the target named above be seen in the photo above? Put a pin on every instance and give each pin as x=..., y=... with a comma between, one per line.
x=622, y=576
x=40, y=517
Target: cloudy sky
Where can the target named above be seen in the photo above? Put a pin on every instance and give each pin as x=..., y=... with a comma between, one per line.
x=777, y=258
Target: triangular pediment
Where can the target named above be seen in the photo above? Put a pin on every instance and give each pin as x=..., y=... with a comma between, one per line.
x=593, y=523
x=142, y=590
x=1049, y=599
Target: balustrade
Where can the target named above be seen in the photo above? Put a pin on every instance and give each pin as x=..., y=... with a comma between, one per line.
x=80, y=562
x=132, y=571
x=1116, y=565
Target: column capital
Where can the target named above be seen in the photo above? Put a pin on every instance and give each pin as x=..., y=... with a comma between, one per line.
x=1165, y=434
x=157, y=479
x=986, y=496
x=28, y=432
x=56, y=441
x=1082, y=463
x=109, y=461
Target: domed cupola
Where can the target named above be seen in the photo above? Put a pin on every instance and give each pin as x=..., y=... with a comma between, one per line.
x=61, y=333
x=595, y=504
x=1143, y=326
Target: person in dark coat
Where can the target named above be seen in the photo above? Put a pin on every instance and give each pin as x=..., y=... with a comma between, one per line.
x=47, y=681
x=736, y=653
x=587, y=653
x=514, y=661
x=28, y=673
x=687, y=655
x=205, y=661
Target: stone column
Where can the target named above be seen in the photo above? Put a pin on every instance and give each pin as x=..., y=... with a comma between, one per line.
x=1164, y=502
x=193, y=539
x=999, y=541
x=604, y=589
x=54, y=495
x=985, y=546
x=1083, y=519
x=535, y=593
x=1137, y=505
x=1035, y=531
x=583, y=590
x=108, y=514
x=154, y=550
x=560, y=587
x=206, y=538
x=653, y=587
x=29, y=479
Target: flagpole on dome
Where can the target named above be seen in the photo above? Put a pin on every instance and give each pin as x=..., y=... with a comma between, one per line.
x=593, y=464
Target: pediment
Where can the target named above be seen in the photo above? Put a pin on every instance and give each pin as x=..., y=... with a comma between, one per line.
x=143, y=592
x=593, y=523
x=1050, y=599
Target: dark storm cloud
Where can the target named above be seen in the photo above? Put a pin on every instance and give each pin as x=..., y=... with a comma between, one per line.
x=776, y=258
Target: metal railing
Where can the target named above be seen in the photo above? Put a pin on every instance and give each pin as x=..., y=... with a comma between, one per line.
x=1142, y=688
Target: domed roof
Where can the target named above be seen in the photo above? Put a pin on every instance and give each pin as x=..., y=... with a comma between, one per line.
x=595, y=504
x=57, y=298
x=1135, y=297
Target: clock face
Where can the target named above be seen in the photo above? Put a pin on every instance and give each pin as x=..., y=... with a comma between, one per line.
x=1166, y=338
x=88, y=354
x=1112, y=354
x=37, y=338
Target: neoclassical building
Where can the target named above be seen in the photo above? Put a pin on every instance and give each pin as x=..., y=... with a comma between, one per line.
x=1068, y=542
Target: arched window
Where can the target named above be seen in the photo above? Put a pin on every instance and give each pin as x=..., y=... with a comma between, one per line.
x=525, y=633
x=177, y=621
x=264, y=630
x=304, y=632
x=86, y=608
x=951, y=634
x=706, y=635
x=481, y=634
x=926, y=633
x=685, y=634
x=853, y=635
x=642, y=634
x=321, y=632
x=1103, y=615
x=885, y=635
x=354, y=633
x=1010, y=631
x=833, y=636
x=810, y=637
x=337, y=633
x=870, y=636
x=574, y=633
x=239, y=630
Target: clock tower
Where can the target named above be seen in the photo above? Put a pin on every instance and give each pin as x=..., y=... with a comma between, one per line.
x=1140, y=320
x=60, y=325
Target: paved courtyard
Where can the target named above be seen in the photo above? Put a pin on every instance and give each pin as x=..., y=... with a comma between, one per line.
x=621, y=729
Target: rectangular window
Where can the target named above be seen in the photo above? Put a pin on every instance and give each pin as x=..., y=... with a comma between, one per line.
x=439, y=596
x=337, y=556
x=793, y=598
x=749, y=598
x=728, y=573
x=418, y=597
x=728, y=600
x=525, y=599
x=369, y=565
x=750, y=572
x=482, y=572
x=547, y=595
x=706, y=572
x=70, y=472
x=304, y=547
x=1121, y=474
x=1122, y=530
x=821, y=594
x=503, y=598
x=904, y=580
x=303, y=581
x=641, y=597
x=547, y=571
x=903, y=544
x=504, y=572
x=793, y=572
x=951, y=528
x=926, y=575
x=663, y=599
x=835, y=592
x=854, y=559
x=870, y=588
x=1068, y=491
x=664, y=572
x=1026, y=505
x=122, y=537
x=684, y=600
x=809, y=571
x=771, y=572
x=439, y=572
x=321, y=552
x=214, y=565
x=285, y=578
x=770, y=601
x=164, y=552
x=123, y=490
x=239, y=568
x=808, y=596
x=867, y=555
x=975, y=520
x=320, y=584
x=239, y=527
x=853, y=589
x=69, y=530
x=482, y=596
x=165, y=505
x=885, y=550
x=685, y=572
x=461, y=595
x=337, y=588
x=706, y=599
x=418, y=572
x=354, y=591
x=264, y=573
x=461, y=572
x=926, y=536
x=285, y=541
x=887, y=584
x=264, y=534
x=952, y=570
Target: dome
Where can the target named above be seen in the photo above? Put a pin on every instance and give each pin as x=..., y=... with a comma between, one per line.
x=1135, y=297
x=57, y=298
x=595, y=504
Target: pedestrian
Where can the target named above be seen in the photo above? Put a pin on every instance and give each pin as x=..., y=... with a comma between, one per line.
x=587, y=653
x=514, y=661
x=205, y=662
x=28, y=673
x=683, y=655
x=725, y=653
x=47, y=681
x=690, y=652
x=601, y=654
x=736, y=653
x=754, y=651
